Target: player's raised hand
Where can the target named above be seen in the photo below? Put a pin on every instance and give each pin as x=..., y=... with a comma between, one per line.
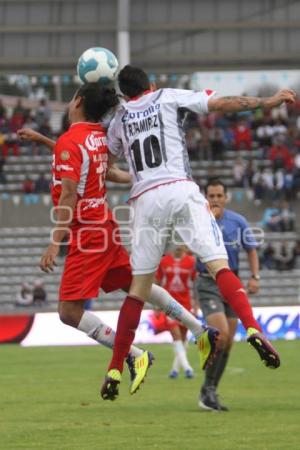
x=28, y=134
x=48, y=262
x=284, y=96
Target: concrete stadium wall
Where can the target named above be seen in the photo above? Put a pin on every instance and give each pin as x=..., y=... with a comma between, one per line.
x=16, y=212
x=43, y=36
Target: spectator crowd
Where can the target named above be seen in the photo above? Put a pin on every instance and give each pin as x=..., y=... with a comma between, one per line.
x=281, y=256
x=274, y=175
x=32, y=295
x=275, y=133
x=14, y=119
x=279, y=217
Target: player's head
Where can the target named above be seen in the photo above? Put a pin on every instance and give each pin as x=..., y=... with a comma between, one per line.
x=133, y=81
x=216, y=194
x=92, y=102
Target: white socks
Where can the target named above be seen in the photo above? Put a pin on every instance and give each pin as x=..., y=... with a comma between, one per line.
x=100, y=332
x=176, y=363
x=103, y=334
x=180, y=357
x=161, y=298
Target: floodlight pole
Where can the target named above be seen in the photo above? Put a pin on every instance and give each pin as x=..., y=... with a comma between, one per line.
x=123, y=36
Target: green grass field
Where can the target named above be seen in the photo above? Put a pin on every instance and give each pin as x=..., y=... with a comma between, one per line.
x=50, y=400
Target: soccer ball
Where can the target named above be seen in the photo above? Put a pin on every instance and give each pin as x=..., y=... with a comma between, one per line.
x=98, y=65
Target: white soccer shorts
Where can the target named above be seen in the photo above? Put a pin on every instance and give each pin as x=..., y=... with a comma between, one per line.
x=173, y=213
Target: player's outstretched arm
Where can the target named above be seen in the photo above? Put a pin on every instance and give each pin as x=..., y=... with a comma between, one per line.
x=30, y=135
x=114, y=173
x=244, y=103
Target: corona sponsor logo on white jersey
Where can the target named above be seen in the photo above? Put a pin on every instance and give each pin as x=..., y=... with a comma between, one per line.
x=149, y=132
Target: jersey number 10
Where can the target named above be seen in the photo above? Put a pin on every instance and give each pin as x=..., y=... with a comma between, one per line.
x=152, y=153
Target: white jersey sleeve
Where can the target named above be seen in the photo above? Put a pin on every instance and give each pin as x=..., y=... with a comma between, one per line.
x=114, y=139
x=196, y=101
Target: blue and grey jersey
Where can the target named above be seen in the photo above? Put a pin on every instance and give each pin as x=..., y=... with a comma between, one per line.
x=148, y=131
x=237, y=234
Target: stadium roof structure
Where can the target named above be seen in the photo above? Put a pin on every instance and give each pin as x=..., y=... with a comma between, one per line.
x=163, y=36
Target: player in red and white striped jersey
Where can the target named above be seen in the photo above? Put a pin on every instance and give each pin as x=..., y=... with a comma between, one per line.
x=176, y=273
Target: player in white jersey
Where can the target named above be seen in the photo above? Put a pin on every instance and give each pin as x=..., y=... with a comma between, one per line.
x=149, y=132
x=166, y=202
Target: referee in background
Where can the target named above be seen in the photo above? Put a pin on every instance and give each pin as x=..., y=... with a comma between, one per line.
x=216, y=311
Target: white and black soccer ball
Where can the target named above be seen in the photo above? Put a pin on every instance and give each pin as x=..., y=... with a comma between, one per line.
x=97, y=65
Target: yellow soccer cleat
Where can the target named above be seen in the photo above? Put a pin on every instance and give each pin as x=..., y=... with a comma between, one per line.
x=110, y=387
x=141, y=366
x=207, y=346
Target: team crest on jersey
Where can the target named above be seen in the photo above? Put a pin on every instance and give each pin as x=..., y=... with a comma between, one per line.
x=65, y=155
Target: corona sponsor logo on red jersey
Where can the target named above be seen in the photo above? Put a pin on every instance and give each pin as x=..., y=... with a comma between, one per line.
x=93, y=142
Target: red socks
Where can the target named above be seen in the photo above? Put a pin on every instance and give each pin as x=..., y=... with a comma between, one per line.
x=234, y=293
x=129, y=318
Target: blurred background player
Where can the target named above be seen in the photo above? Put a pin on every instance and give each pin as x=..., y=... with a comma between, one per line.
x=216, y=311
x=176, y=273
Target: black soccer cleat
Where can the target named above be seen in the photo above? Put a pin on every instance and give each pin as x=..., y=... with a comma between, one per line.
x=110, y=387
x=209, y=401
x=266, y=351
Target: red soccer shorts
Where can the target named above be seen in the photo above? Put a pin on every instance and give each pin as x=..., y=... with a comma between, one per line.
x=96, y=259
x=161, y=322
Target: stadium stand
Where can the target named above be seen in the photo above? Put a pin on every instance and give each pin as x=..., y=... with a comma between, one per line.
x=238, y=163
x=22, y=247
x=18, y=168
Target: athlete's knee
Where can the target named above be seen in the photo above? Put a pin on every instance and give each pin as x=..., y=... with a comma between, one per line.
x=215, y=266
x=67, y=314
x=141, y=286
x=223, y=341
x=224, y=338
x=63, y=314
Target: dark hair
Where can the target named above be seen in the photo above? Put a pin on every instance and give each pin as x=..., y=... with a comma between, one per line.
x=97, y=100
x=215, y=182
x=133, y=81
